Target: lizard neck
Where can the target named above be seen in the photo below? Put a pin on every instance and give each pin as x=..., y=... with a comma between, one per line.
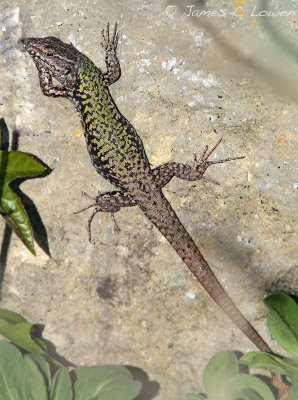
x=91, y=95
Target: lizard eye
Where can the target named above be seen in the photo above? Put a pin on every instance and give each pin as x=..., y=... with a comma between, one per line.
x=48, y=53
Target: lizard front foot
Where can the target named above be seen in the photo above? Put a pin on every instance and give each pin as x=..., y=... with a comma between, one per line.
x=110, y=45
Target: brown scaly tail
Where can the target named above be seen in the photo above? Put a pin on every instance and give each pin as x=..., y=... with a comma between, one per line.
x=161, y=214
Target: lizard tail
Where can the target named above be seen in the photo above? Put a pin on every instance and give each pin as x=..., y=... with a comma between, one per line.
x=161, y=214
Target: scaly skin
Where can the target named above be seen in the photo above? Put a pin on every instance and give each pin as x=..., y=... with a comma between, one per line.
x=118, y=154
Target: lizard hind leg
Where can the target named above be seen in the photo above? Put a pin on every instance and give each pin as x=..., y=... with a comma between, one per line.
x=108, y=202
x=164, y=173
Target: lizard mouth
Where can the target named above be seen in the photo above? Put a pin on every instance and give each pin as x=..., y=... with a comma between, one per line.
x=29, y=45
x=32, y=47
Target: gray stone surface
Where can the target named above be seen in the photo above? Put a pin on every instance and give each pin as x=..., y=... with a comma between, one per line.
x=186, y=81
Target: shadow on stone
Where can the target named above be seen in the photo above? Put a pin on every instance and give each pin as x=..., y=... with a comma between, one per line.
x=36, y=331
x=150, y=389
x=51, y=350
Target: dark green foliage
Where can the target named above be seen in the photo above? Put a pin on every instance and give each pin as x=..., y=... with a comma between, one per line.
x=14, y=165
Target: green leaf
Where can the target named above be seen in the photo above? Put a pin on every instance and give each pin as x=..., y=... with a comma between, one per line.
x=292, y=362
x=34, y=384
x=294, y=393
x=282, y=321
x=10, y=315
x=22, y=333
x=220, y=368
x=270, y=362
x=107, y=382
x=61, y=388
x=250, y=387
x=11, y=372
x=13, y=165
x=42, y=366
x=193, y=396
x=20, y=377
x=249, y=394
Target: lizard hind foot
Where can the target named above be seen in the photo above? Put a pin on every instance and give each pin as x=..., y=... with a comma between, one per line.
x=90, y=219
x=95, y=211
x=204, y=156
x=203, y=163
x=88, y=195
x=116, y=226
x=85, y=208
x=206, y=178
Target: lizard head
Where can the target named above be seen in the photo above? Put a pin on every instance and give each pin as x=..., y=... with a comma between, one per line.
x=55, y=56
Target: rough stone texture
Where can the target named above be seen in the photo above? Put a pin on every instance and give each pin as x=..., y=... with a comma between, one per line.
x=186, y=81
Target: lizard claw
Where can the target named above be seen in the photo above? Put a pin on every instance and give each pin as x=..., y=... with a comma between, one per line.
x=210, y=180
x=88, y=195
x=116, y=226
x=95, y=211
x=85, y=208
x=90, y=219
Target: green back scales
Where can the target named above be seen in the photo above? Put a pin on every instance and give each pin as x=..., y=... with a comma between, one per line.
x=115, y=149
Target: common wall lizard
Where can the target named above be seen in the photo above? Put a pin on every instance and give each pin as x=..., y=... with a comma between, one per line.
x=118, y=154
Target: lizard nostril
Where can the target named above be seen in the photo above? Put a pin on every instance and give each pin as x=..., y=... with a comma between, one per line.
x=24, y=42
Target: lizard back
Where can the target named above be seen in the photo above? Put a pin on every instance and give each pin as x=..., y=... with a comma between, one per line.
x=113, y=144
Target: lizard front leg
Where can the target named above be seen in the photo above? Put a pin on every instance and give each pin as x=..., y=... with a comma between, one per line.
x=46, y=84
x=164, y=173
x=110, y=46
x=108, y=202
